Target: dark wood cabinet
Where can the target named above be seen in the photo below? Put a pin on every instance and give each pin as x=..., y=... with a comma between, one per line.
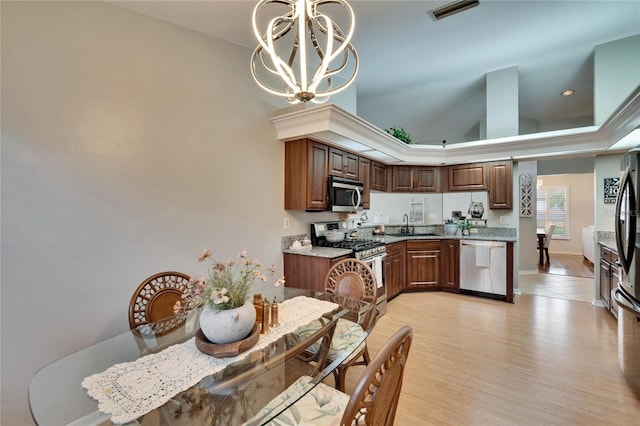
x=414, y=179
x=451, y=265
x=500, y=185
x=467, y=177
x=395, y=268
x=343, y=163
x=307, y=272
x=605, y=285
x=364, y=175
x=423, y=264
x=305, y=175
x=378, y=176
x=609, y=276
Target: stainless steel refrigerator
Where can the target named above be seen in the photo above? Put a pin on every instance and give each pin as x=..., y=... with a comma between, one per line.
x=627, y=294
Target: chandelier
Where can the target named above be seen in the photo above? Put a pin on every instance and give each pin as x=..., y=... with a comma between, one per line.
x=302, y=50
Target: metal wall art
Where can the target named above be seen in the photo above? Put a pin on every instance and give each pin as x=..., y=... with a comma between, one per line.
x=611, y=186
x=526, y=195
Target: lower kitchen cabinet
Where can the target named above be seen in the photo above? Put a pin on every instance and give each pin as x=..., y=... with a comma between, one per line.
x=609, y=275
x=451, y=265
x=307, y=272
x=395, y=268
x=423, y=264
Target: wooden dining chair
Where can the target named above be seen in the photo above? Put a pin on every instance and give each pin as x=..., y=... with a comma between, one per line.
x=373, y=402
x=154, y=299
x=548, y=233
x=354, y=279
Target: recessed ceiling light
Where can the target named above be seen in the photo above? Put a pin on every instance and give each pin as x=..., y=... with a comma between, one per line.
x=568, y=92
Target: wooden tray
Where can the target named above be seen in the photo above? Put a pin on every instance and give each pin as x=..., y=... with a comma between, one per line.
x=227, y=350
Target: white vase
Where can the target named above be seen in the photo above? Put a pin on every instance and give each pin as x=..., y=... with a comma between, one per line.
x=230, y=325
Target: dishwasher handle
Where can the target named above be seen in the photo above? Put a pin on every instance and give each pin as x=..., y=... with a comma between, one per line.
x=492, y=244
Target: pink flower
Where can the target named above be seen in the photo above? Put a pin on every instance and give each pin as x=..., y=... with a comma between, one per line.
x=218, y=296
x=242, y=254
x=280, y=282
x=272, y=269
x=204, y=256
x=177, y=307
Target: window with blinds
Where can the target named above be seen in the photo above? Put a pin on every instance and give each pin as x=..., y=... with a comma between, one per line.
x=553, y=207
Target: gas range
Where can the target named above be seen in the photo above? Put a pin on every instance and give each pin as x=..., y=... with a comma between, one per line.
x=363, y=248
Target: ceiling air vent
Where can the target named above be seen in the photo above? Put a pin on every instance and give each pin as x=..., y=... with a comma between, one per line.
x=452, y=8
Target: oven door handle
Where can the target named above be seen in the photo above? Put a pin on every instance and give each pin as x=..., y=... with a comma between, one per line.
x=369, y=260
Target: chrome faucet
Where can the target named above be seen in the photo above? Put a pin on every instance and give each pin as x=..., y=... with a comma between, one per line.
x=405, y=228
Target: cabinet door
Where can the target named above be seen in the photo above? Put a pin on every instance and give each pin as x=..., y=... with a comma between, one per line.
x=468, y=177
x=605, y=277
x=500, y=185
x=305, y=186
x=423, y=264
x=451, y=265
x=378, y=176
x=425, y=179
x=343, y=164
x=307, y=272
x=402, y=180
x=395, y=269
x=614, y=276
x=364, y=168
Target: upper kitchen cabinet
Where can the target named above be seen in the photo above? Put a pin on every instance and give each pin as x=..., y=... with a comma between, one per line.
x=500, y=185
x=378, y=176
x=343, y=164
x=305, y=175
x=364, y=176
x=468, y=177
x=414, y=179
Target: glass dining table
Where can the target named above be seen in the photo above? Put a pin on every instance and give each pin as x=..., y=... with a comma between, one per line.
x=108, y=382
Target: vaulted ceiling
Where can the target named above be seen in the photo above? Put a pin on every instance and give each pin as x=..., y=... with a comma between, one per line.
x=429, y=76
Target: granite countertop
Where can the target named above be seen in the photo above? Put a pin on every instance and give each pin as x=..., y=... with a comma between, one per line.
x=388, y=239
x=607, y=239
x=328, y=252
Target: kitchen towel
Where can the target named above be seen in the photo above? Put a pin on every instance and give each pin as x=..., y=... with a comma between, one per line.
x=483, y=255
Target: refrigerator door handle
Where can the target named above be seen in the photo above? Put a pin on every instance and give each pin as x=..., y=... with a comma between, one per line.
x=626, y=253
x=625, y=302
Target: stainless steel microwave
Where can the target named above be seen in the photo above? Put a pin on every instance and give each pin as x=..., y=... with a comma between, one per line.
x=345, y=195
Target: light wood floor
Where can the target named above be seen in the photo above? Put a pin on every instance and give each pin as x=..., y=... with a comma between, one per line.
x=567, y=277
x=476, y=361
x=567, y=264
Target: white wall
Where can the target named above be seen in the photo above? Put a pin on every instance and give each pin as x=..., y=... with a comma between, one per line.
x=581, y=204
x=128, y=145
x=527, y=253
x=606, y=166
x=616, y=75
x=503, y=111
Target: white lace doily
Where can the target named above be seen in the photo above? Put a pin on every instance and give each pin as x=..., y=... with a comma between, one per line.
x=129, y=390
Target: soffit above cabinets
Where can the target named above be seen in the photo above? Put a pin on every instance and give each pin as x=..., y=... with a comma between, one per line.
x=334, y=126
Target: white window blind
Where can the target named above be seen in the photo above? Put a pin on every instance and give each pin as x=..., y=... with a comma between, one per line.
x=553, y=206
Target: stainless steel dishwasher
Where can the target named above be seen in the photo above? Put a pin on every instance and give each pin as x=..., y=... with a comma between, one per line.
x=483, y=267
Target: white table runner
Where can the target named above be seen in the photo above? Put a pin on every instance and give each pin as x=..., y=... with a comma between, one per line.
x=129, y=390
